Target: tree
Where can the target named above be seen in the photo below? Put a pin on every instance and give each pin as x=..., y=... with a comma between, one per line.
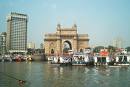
x=128, y=48
x=97, y=49
x=30, y=51
x=111, y=49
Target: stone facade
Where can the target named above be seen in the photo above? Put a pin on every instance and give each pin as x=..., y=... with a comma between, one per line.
x=55, y=41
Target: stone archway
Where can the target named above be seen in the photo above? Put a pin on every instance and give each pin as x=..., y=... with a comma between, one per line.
x=52, y=51
x=67, y=46
x=70, y=36
x=81, y=50
x=52, y=48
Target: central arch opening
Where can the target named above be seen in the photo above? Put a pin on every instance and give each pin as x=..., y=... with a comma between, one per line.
x=67, y=46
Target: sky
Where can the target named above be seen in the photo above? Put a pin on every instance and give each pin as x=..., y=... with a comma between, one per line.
x=103, y=20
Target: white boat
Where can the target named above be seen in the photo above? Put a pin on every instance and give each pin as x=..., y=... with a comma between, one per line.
x=55, y=61
x=1, y=59
x=7, y=58
x=61, y=60
x=50, y=58
x=122, y=60
x=80, y=59
x=101, y=60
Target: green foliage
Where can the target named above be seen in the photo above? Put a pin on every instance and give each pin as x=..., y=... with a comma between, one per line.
x=128, y=48
x=111, y=49
x=97, y=49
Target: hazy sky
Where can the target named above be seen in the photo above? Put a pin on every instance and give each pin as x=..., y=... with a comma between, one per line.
x=102, y=20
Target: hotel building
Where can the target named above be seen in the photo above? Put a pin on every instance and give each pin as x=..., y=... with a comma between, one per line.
x=17, y=33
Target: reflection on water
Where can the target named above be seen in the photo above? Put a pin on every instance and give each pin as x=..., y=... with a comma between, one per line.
x=43, y=74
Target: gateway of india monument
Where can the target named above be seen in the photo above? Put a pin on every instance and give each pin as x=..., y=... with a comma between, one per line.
x=65, y=39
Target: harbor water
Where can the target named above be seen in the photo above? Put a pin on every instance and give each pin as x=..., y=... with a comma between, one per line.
x=44, y=74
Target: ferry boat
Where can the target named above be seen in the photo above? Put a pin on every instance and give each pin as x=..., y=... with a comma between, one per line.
x=80, y=59
x=102, y=58
x=6, y=58
x=1, y=59
x=51, y=58
x=61, y=60
x=122, y=60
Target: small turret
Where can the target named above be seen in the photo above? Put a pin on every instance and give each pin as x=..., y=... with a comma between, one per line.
x=75, y=26
x=58, y=26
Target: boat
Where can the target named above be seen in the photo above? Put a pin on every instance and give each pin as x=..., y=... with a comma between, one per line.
x=6, y=58
x=65, y=60
x=61, y=60
x=1, y=59
x=122, y=60
x=55, y=60
x=80, y=59
x=50, y=58
x=101, y=60
x=19, y=58
x=29, y=58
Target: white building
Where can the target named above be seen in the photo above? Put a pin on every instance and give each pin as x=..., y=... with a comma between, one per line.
x=31, y=45
x=117, y=43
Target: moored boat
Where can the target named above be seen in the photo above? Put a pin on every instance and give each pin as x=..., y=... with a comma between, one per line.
x=50, y=58
x=6, y=58
x=61, y=60
x=101, y=60
x=122, y=60
x=29, y=58
x=19, y=58
x=80, y=59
